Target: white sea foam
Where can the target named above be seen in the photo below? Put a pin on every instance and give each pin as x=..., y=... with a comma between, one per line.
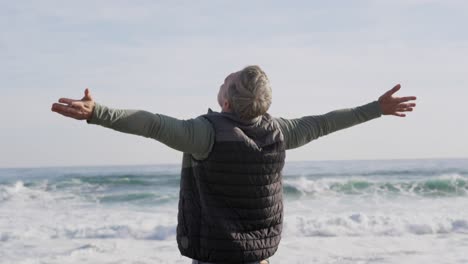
x=352, y=219
x=442, y=185
x=377, y=225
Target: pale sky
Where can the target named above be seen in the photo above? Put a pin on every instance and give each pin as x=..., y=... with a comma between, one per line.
x=170, y=57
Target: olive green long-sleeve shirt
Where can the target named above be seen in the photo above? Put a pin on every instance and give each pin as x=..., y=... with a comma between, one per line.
x=196, y=136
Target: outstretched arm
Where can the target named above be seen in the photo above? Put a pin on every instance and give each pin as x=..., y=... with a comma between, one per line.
x=194, y=136
x=300, y=131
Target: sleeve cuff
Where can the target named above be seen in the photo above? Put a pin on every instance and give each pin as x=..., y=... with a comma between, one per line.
x=97, y=112
x=372, y=109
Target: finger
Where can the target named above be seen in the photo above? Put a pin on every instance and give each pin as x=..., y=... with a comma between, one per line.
x=87, y=95
x=66, y=100
x=65, y=110
x=68, y=115
x=56, y=107
x=409, y=109
x=399, y=114
x=405, y=99
x=392, y=91
x=406, y=105
x=59, y=108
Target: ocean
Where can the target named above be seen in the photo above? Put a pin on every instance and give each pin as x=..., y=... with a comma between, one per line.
x=373, y=211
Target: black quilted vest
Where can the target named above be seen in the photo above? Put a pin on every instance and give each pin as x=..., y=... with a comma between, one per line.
x=230, y=204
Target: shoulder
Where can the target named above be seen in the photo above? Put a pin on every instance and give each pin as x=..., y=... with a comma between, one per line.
x=202, y=120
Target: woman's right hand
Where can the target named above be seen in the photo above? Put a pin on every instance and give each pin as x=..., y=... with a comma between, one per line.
x=78, y=109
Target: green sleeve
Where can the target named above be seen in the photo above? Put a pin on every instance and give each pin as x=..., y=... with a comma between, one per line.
x=194, y=136
x=300, y=131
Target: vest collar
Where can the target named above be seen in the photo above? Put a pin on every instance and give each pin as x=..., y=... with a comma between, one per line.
x=236, y=118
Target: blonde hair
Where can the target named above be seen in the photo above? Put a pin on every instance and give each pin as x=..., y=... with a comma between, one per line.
x=249, y=95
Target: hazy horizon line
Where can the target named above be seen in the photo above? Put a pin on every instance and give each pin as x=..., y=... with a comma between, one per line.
x=179, y=164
